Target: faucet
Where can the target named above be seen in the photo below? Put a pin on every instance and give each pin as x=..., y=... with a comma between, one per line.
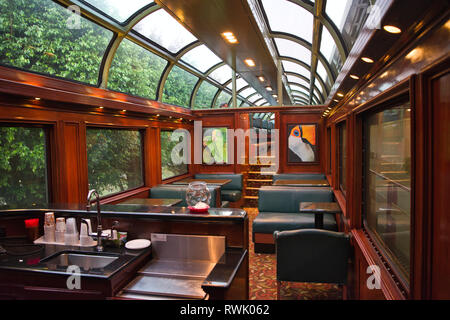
x=99, y=217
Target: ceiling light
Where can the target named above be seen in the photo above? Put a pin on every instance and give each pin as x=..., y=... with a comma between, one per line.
x=269, y=88
x=367, y=59
x=335, y=100
x=261, y=78
x=124, y=110
x=392, y=29
x=37, y=99
x=250, y=62
x=275, y=96
x=340, y=94
x=354, y=77
x=229, y=37
x=100, y=107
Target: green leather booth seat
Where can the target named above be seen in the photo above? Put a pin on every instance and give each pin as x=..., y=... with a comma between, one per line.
x=269, y=222
x=170, y=191
x=299, y=176
x=279, y=209
x=231, y=191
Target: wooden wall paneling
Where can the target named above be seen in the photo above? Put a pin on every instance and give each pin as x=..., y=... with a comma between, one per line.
x=73, y=163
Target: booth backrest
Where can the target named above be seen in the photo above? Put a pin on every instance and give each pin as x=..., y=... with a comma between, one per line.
x=170, y=191
x=287, y=199
x=235, y=184
x=299, y=176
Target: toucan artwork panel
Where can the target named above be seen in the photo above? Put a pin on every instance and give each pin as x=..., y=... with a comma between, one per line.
x=302, y=143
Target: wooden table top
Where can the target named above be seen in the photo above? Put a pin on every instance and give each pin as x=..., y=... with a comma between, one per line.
x=302, y=183
x=216, y=182
x=320, y=207
x=154, y=202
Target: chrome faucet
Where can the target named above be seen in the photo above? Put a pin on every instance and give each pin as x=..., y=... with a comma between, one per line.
x=99, y=217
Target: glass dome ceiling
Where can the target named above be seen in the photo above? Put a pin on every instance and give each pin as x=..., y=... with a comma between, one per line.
x=122, y=46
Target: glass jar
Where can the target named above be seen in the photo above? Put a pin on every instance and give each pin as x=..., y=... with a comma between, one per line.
x=196, y=192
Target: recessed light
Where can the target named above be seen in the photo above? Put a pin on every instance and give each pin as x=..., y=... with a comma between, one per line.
x=353, y=76
x=229, y=37
x=124, y=110
x=100, y=107
x=250, y=62
x=268, y=88
x=367, y=60
x=392, y=29
x=37, y=99
x=275, y=96
x=261, y=78
x=335, y=100
x=340, y=94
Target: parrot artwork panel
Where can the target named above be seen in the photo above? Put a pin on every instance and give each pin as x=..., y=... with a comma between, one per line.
x=302, y=143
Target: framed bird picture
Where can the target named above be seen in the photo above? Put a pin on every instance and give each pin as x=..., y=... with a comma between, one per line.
x=302, y=143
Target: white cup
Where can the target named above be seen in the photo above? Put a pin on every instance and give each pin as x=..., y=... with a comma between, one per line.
x=49, y=233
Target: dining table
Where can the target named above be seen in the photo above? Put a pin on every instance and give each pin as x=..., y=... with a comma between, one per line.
x=318, y=209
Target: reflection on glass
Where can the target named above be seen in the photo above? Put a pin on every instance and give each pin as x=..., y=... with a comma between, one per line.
x=221, y=74
x=222, y=100
x=135, y=70
x=37, y=35
x=205, y=95
x=114, y=160
x=164, y=30
x=119, y=9
x=288, y=17
x=23, y=166
x=342, y=130
x=201, y=58
x=387, y=182
x=178, y=87
x=170, y=149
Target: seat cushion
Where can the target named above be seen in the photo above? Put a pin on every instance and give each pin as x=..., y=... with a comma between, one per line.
x=299, y=176
x=231, y=195
x=269, y=222
x=235, y=184
x=287, y=199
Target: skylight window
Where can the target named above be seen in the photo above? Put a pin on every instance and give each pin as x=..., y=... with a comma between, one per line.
x=221, y=74
x=164, y=30
x=294, y=50
x=295, y=79
x=327, y=44
x=288, y=17
x=201, y=58
x=118, y=9
x=338, y=10
x=240, y=83
x=246, y=92
x=290, y=66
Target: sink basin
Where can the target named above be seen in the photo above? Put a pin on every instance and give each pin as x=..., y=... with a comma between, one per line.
x=83, y=260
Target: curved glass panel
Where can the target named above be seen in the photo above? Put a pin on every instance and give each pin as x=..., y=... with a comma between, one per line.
x=288, y=17
x=178, y=87
x=135, y=70
x=260, y=103
x=297, y=88
x=292, y=78
x=245, y=104
x=292, y=49
x=221, y=74
x=327, y=44
x=164, y=30
x=338, y=10
x=205, y=95
x=254, y=98
x=321, y=71
x=222, y=100
x=240, y=83
x=118, y=9
x=296, y=68
x=246, y=92
x=201, y=58
x=42, y=36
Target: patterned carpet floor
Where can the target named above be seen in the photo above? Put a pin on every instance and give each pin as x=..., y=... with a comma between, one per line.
x=262, y=279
